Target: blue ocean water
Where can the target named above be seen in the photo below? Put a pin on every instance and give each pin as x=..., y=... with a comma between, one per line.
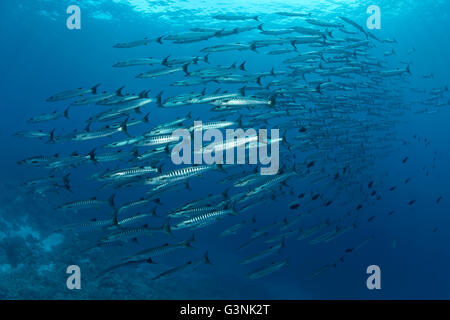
x=40, y=56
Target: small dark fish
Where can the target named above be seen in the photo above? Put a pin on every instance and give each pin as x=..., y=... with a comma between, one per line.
x=371, y=219
x=405, y=159
x=348, y=250
x=374, y=192
x=294, y=206
x=411, y=202
x=328, y=203
x=359, y=207
x=315, y=197
x=311, y=164
x=392, y=188
x=439, y=199
x=407, y=180
x=370, y=184
x=391, y=213
x=301, y=195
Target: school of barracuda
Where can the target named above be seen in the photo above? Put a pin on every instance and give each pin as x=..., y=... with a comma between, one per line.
x=336, y=103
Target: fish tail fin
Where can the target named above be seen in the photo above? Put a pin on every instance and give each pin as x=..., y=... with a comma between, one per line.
x=146, y=93
x=159, y=40
x=94, y=88
x=124, y=127
x=154, y=212
x=111, y=201
x=284, y=141
x=66, y=182
x=166, y=150
x=51, y=138
x=206, y=258
x=295, y=169
x=258, y=80
x=260, y=27
x=66, y=113
x=256, y=18
x=219, y=167
x=185, y=69
x=115, y=222
x=293, y=44
x=158, y=98
x=166, y=228
x=273, y=100
x=318, y=89
x=206, y=58
x=188, y=242
x=242, y=91
x=143, y=94
x=330, y=33
x=408, y=69
x=239, y=121
x=233, y=208
x=225, y=193
x=242, y=66
x=91, y=155
x=135, y=152
x=119, y=91
x=164, y=62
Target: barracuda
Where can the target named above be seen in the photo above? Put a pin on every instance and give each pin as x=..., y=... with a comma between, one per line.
x=181, y=174
x=242, y=101
x=162, y=250
x=87, y=204
x=190, y=212
x=157, y=140
x=137, y=62
x=265, y=253
x=72, y=94
x=204, y=218
x=126, y=234
x=266, y=270
x=129, y=173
